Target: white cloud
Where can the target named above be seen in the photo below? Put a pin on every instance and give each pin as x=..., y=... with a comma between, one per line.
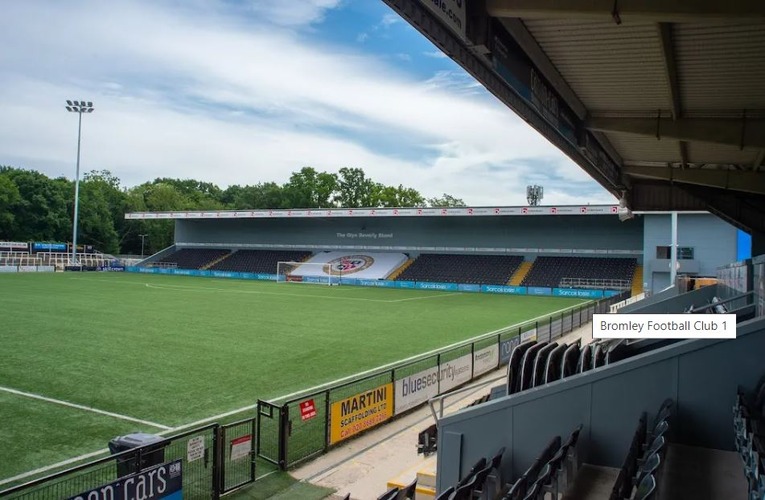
x=201, y=93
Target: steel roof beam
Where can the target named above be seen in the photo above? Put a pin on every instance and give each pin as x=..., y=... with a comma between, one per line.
x=746, y=181
x=633, y=10
x=747, y=132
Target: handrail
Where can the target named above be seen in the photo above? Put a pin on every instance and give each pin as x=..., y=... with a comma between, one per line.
x=440, y=399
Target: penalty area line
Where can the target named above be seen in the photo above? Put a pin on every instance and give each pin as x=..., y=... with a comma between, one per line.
x=83, y=407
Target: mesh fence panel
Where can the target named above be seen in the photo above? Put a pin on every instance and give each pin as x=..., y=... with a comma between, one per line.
x=307, y=437
x=238, y=441
x=197, y=474
x=268, y=432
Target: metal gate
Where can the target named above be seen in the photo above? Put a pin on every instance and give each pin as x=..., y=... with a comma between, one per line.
x=272, y=433
x=237, y=454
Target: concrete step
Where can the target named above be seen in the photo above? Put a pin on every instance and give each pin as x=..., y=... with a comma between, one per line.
x=425, y=472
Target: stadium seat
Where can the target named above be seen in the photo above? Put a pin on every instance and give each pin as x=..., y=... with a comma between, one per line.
x=553, y=370
x=540, y=364
x=193, y=258
x=597, y=272
x=570, y=360
x=258, y=261
x=646, y=488
x=466, y=269
x=515, y=365
x=526, y=379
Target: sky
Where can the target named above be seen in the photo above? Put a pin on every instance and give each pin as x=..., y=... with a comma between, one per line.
x=248, y=91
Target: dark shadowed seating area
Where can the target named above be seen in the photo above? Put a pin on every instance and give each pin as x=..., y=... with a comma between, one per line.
x=194, y=258
x=468, y=269
x=258, y=261
x=588, y=272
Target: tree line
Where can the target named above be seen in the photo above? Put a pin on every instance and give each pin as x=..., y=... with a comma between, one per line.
x=35, y=207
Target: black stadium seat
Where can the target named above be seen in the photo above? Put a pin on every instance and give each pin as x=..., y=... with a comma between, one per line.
x=466, y=269
x=551, y=271
x=193, y=258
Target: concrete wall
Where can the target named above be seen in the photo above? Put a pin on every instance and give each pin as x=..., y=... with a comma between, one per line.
x=563, y=232
x=714, y=242
x=702, y=376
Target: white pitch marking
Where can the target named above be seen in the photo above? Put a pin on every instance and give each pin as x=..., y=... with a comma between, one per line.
x=258, y=292
x=451, y=294
x=82, y=407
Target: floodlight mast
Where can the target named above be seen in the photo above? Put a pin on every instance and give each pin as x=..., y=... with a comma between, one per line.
x=78, y=107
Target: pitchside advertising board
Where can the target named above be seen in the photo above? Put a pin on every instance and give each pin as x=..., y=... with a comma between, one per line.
x=13, y=246
x=360, y=412
x=417, y=388
x=162, y=481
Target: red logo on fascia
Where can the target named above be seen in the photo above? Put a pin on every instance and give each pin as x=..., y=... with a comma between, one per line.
x=395, y=211
x=524, y=210
x=443, y=211
x=307, y=410
x=289, y=213
x=554, y=210
x=372, y=212
x=496, y=211
x=470, y=211
x=583, y=210
x=419, y=211
x=329, y=212
x=614, y=210
x=270, y=212
x=350, y=212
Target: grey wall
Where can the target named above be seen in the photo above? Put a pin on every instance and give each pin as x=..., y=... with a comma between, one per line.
x=563, y=232
x=714, y=242
x=702, y=377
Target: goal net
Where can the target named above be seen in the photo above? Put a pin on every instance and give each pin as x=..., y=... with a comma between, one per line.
x=315, y=273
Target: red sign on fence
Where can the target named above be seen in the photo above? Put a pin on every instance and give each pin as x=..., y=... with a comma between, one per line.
x=307, y=410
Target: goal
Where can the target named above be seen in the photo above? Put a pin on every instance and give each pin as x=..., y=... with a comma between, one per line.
x=314, y=273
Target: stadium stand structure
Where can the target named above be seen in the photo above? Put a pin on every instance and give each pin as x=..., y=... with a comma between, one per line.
x=592, y=272
x=258, y=261
x=193, y=258
x=470, y=269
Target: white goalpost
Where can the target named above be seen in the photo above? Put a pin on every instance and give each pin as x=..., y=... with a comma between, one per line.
x=312, y=273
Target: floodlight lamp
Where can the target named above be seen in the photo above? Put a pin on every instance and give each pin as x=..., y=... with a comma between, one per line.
x=69, y=102
x=90, y=104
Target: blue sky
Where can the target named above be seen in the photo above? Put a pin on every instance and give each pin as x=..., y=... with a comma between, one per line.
x=239, y=92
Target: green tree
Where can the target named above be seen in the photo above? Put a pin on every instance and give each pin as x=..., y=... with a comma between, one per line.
x=392, y=196
x=44, y=212
x=355, y=189
x=308, y=188
x=9, y=198
x=446, y=200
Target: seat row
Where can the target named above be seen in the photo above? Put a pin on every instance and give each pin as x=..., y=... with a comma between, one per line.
x=533, y=363
x=483, y=481
x=465, y=269
x=552, y=472
x=641, y=469
x=550, y=271
x=749, y=428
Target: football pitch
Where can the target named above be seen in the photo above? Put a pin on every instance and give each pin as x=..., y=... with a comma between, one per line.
x=86, y=357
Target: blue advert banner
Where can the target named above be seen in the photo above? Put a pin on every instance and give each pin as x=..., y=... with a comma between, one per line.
x=578, y=293
x=452, y=287
x=161, y=481
x=537, y=290
x=514, y=290
x=469, y=288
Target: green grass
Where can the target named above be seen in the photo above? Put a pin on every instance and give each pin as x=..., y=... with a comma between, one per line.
x=173, y=350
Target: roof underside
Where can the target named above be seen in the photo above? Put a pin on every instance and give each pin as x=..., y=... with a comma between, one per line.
x=661, y=101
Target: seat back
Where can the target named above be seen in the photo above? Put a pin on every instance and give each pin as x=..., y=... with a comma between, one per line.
x=649, y=466
x=407, y=492
x=645, y=488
